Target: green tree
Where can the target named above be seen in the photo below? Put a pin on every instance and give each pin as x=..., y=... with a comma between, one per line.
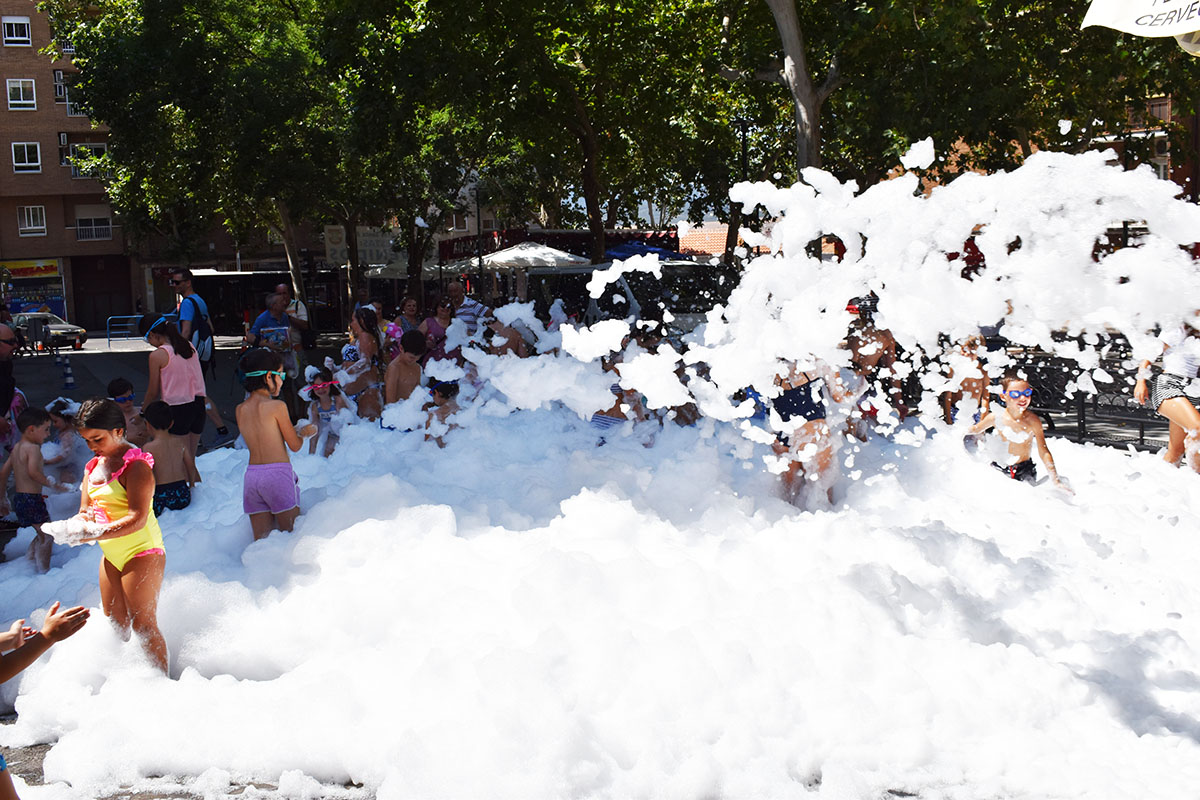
x=992, y=77
x=598, y=106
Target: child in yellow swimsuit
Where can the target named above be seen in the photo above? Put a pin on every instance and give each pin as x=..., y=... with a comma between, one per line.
x=117, y=496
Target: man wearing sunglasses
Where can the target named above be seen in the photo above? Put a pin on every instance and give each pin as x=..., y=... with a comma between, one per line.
x=1021, y=429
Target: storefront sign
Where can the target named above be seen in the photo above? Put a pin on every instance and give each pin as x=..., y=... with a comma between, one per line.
x=41, y=268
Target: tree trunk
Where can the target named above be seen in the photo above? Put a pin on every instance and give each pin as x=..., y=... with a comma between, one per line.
x=806, y=99
x=353, y=268
x=590, y=146
x=731, y=234
x=287, y=232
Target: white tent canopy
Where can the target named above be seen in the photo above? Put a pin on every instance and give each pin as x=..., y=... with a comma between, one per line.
x=520, y=256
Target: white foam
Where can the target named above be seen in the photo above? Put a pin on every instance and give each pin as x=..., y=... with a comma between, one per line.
x=525, y=614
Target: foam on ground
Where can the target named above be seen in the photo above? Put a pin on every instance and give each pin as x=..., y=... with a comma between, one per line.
x=526, y=615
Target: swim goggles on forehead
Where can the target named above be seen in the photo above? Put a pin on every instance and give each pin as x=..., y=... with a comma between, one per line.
x=157, y=322
x=259, y=372
x=1015, y=393
x=125, y=398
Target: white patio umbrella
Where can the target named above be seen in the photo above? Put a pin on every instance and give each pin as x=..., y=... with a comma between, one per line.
x=1150, y=18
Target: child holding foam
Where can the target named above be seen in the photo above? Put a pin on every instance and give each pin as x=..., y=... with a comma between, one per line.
x=270, y=490
x=116, y=512
x=22, y=646
x=175, y=472
x=1021, y=429
x=26, y=466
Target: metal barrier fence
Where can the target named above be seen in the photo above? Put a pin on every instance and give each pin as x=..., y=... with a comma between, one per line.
x=126, y=327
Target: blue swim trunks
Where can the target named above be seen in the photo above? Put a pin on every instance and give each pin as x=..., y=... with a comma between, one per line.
x=3, y=764
x=176, y=495
x=30, y=509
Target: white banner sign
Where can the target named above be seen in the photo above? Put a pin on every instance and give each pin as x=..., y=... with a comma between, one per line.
x=1145, y=17
x=374, y=245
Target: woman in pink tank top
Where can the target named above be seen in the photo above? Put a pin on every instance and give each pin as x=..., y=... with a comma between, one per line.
x=175, y=378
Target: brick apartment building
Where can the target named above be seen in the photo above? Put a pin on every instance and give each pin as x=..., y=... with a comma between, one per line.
x=58, y=241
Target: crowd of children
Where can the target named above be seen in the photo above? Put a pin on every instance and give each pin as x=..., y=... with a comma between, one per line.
x=144, y=458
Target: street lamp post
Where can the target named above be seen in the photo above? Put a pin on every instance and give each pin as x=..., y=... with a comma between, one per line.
x=478, y=233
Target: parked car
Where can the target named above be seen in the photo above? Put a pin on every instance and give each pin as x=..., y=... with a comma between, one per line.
x=58, y=332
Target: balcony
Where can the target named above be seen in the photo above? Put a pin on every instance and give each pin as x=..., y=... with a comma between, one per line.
x=93, y=230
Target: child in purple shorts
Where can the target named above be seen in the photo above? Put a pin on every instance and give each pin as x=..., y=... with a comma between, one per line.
x=270, y=490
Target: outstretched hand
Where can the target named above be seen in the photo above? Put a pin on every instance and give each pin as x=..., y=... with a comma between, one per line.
x=17, y=633
x=60, y=625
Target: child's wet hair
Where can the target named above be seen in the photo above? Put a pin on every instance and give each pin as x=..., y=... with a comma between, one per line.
x=258, y=359
x=413, y=342
x=323, y=375
x=447, y=389
x=100, y=413
x=59, y=408
x=157, y=415
x=119, y=387
x=32, y=417
x=1012, y=377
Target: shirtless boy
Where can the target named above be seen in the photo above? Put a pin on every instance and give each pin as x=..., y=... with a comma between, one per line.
x=26, y=467
x=1021, y=429
x=404, y=373
x=270, y=490
x=175, y=473
x=120, y=391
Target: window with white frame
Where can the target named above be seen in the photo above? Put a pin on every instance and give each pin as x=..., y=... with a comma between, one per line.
x=60, y=87
x=93, y=228
x=31, y=220
x=86, y=150
x=21, y=95
x=458, y=222
x=17, y=32
x=27, y=157
x=73, y=109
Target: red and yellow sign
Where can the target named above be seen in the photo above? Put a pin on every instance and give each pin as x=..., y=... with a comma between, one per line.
x=40, y=268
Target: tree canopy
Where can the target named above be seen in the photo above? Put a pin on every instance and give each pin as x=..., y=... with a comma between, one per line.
x=269, y=113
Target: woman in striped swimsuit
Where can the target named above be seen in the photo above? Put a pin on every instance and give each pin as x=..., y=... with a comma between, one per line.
x=1168, y=392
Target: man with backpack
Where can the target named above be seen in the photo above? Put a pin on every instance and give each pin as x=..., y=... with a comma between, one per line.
x=196, y=327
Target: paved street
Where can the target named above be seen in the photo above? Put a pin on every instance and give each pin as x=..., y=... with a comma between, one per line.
x=98, y=363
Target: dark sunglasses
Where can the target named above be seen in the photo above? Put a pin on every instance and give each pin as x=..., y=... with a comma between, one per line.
x=174, y=282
